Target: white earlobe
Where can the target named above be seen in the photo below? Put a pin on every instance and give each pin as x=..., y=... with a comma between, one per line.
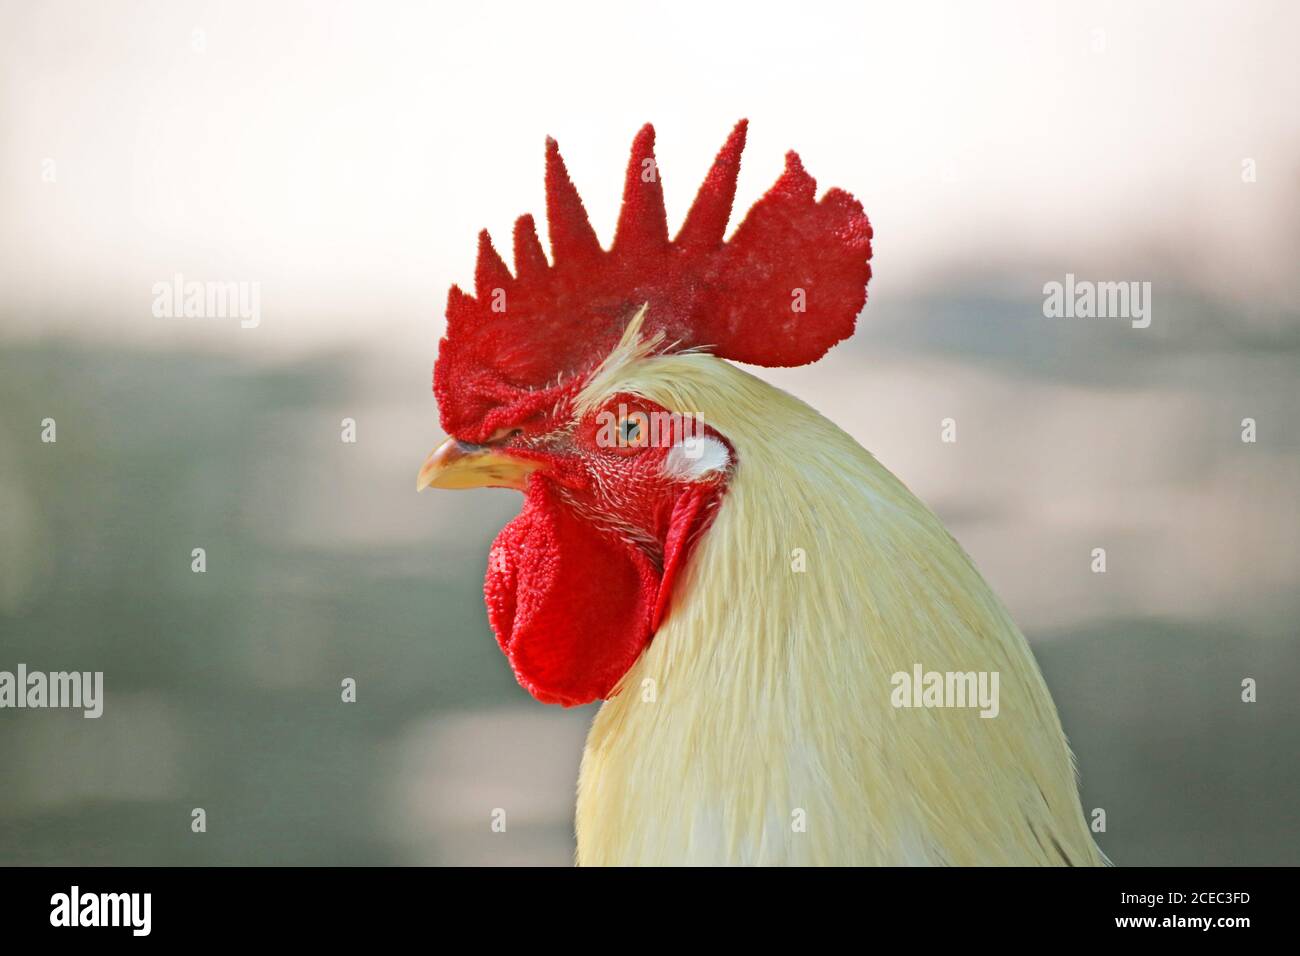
x=694, y=458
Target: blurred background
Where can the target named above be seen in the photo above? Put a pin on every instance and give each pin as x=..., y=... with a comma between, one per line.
x=343, y=156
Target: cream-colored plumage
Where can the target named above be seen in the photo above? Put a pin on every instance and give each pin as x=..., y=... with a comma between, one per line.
x=757, y=727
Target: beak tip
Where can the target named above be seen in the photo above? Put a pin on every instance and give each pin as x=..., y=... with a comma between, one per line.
x=456, y=465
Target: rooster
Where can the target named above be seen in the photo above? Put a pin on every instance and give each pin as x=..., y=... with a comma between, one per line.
x=738, y=580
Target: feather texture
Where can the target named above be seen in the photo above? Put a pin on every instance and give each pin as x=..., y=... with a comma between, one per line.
x=764, y=700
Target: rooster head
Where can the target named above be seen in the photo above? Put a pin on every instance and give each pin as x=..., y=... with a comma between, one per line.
x=617, y=489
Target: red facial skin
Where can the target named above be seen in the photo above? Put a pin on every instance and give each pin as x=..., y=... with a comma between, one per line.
x=578, y=583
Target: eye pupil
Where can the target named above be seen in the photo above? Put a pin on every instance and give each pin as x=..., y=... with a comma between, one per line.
x=631, y=429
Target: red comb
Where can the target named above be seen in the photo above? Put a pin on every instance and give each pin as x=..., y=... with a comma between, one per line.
x=786, y=288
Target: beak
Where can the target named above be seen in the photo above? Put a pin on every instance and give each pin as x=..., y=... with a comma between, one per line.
x=456, y=464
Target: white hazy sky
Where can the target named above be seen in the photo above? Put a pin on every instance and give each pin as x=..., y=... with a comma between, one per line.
x=345, y=154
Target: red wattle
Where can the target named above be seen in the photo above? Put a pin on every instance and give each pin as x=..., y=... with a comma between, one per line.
x=571, y=604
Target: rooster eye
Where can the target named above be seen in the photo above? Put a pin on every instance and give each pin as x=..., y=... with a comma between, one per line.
x=629, y=430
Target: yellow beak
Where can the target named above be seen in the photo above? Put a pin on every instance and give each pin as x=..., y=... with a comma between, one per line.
x=455, y=464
